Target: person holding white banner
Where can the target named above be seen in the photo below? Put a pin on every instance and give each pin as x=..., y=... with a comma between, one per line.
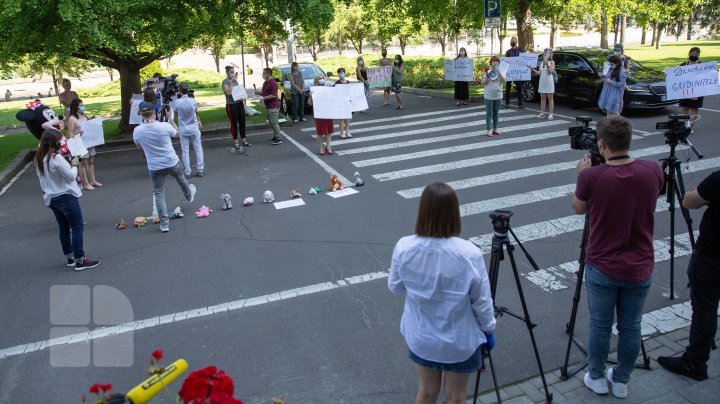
x=493, y=81
x=691, y=106
x=462, y=88
x=344, y=123
x=87, y=162
x=614, y=87
x=323, y=127
x=514, y=51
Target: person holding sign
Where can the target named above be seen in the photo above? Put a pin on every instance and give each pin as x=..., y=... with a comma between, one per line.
x=398, y=70
x=61, y=193
x=546, y=84
x=362, y=75
x=514, y=51
x=189, y=125
x=493, y=80
x=323, y=127
x=87, y=162
x=234, y=107
x=691, y=106
x=462, y=88
x=385, y=62
x=344, y=123
x=613, y=88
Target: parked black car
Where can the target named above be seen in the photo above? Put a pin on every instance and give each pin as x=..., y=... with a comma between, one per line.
x=579, y=80
x=281, y=73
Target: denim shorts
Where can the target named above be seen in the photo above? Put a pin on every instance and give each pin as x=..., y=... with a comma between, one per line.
x=470, y=365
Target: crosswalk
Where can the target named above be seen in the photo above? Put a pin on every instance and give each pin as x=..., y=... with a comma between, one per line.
x=529, y=169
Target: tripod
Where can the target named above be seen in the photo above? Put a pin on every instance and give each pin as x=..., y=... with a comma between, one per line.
x=501, y=227
x=674, y=187
x=565, y=373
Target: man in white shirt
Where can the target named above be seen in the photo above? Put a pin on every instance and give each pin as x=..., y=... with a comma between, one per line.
x=154, y=138
x=189, y=125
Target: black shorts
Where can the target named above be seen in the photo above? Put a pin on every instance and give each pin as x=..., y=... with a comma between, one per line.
x=690, y=103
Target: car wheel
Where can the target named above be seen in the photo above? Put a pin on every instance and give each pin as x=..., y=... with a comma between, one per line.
x=284, y=104
x=529, y=92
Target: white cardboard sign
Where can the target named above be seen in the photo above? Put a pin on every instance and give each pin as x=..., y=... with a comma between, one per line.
x=93, y=134
x=692, y=81
x=331, y=102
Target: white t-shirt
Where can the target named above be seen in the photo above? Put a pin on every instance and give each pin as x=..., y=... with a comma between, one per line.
x=187, y=120
x=59, y=179
x=155, y=140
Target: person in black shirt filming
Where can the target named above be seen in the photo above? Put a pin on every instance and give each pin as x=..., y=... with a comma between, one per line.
x=704, y=274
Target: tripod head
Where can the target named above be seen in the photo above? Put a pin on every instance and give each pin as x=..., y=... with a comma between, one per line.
x=501, y=223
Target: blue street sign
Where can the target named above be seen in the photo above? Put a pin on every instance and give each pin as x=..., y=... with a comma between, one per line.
x=492, y=8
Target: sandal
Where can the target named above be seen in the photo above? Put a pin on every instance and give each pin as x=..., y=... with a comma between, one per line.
x=237, y=145
x=246, y=144
x=343, y=136
x=489, y=133
x=349, y=136
x=322, y=152
x=330, y=152
x=96, y=184
x=551, y=117
x=541, y=115
x=497, y=132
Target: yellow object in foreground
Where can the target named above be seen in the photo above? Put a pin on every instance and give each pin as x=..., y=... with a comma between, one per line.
x=146, y=390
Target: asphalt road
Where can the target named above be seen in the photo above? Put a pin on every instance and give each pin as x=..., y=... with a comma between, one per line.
x=300, y=306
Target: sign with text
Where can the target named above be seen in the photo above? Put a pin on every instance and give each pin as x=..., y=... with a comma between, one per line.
x=331, y=102
x=93, y=134
x=135, y=118
x=380, y=76
x=692, y=81
x=460, y=69
x=76, y=147
x=356, y=94
x=518, y=69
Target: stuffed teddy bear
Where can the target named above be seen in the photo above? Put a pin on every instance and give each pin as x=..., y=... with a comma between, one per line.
x=268, y=197
x=295, y=193
x=225, y=198
x=358, y=180
x=335, y=183
x=249, y=201
x=204, y=211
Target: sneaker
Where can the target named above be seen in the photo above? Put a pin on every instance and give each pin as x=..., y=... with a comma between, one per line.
x=295, y=121
x=187, y=176
x=679, y=366
x=86, y=264
x=201, y=173
x=598, y=386
x=164, y=228
x=70, y=262
x=303, y=120
x=276, y=141
x=619, y=390
x=192, y=192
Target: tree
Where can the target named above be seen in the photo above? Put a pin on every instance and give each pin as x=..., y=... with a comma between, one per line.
x=560, y=13
x=318, y=15
x=36, y=65
x=709, y=14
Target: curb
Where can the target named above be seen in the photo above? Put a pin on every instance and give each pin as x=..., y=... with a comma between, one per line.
x=439, y=94
x=15, y=166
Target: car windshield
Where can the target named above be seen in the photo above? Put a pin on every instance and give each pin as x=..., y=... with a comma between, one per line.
x=308, y=71
x=600, y=58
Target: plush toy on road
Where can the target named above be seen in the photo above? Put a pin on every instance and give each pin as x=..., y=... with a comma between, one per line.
x=335, y=183
x=204, y=211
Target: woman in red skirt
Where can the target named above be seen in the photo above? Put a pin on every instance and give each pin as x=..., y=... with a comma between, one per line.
x=323, y=127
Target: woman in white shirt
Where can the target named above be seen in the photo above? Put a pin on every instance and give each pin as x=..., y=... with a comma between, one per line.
x=449, y=313
x=60, y=193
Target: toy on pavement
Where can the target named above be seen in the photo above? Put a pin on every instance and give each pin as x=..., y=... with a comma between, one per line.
x=225, y=198
x=335, y=183
x=204, y=211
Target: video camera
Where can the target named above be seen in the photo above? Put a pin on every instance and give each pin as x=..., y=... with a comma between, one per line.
x=170, y=88
x=677, y=129
x=583, y=137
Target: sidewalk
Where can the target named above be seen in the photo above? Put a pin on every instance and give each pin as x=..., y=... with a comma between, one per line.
x=646, y=386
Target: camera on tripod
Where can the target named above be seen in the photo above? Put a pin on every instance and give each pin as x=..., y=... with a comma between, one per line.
x=583, y=137
x=170, y=88
x=501, y=222
x=677, y=129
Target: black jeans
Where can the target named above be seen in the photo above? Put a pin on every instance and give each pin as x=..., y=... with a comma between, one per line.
x=236, y=113
x=704, y=274
x=518, y=87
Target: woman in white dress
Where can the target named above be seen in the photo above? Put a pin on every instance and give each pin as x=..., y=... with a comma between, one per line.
x=546, y=84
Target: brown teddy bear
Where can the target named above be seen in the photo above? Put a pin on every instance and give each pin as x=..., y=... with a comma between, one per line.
x=335, y=183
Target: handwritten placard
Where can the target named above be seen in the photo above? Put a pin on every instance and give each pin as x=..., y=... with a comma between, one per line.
x=135, y=118
x=356, y=94
x=76, y=147
x=692, y=81
x=331, y=102
x=460, y=69
x=93, y=134
x=518, y=69
x=380, y=76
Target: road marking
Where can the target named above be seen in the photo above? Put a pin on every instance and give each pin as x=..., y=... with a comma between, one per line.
x=409, y=143
x=708, y=109
x=191, y=314
x=523, y=173
x=547, y=194
x=402, y=117
x=563, y=276
x=15, y=178
x=466, y=147
x=412, y=172
x=325, y=166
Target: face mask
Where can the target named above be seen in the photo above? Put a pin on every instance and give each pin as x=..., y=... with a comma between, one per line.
x=694, y=58
x=462, y=53
x=384, y=54
x=81, y=109
x=230, y=75
x=341, y=76
x=397, y=60
x=322, y=82
x=617, y=53
x=360, y=62
x=494, y=65
x=513, y=44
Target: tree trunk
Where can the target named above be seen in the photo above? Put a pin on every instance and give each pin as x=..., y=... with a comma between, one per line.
x=316, y=42
x=623, y=25
x=616, y=24
x=659, y=34
x=678, y=30
x=403, y=44
x=57, y=76
x=129, y=85
x=502, y=34
x=111, y=72
x=655, y=30
x=603, y=30
x=216, y=58
x=339, y=43
x=524, y=24
x=689, y=27
x=442, y=40
x=644, y=35
x=553, y=31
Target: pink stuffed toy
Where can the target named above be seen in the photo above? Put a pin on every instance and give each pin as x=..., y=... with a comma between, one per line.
x=204, y=211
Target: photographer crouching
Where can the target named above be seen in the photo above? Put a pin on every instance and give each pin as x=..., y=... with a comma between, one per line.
x=619, y=198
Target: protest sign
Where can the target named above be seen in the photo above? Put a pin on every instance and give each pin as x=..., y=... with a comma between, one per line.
x=93, y=134
x=460, y=69
x=356, y=94
x=380, y=76
x=239, y=93
x=518, y=69
x=135, y=118
x=76, y=147
x=331, y=102
x=606, y=69
x=692, y=81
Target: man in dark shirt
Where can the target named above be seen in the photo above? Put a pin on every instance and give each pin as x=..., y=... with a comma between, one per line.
x=619, y=198
x=513, y=52
x=272, y=104
x=704, y=274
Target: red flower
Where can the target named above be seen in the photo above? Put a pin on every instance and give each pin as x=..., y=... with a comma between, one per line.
x=95, y=388
x=106, y=387
x=208, y=383
x=157, y=354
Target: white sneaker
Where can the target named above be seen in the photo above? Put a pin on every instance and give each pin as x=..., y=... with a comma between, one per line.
x=192, y=192
x=619, y=390
x=598, y=386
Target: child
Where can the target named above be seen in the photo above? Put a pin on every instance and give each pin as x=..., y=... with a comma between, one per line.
x=493, y=95
x=323, y=127
x=344, y=123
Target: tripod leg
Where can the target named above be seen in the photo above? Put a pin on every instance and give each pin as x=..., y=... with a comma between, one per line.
x=477, y=382
x=646, y=358
x=671, y=208
x=576, y=302
x=495, y=382
x=680, y=192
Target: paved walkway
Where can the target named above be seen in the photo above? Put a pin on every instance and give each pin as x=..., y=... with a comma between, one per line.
x=646, y=386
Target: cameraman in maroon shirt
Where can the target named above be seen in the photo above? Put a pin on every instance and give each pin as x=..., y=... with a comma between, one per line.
x=619, y=198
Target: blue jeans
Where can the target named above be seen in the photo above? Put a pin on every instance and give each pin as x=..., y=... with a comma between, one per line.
x=298, y=106
x=606, y=296
x=492, y=109
x=158, y=180
x=70, y=219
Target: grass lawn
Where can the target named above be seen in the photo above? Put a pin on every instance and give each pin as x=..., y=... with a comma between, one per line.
x=672, y=53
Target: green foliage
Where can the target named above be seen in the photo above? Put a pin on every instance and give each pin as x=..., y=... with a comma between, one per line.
x=149, y=71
